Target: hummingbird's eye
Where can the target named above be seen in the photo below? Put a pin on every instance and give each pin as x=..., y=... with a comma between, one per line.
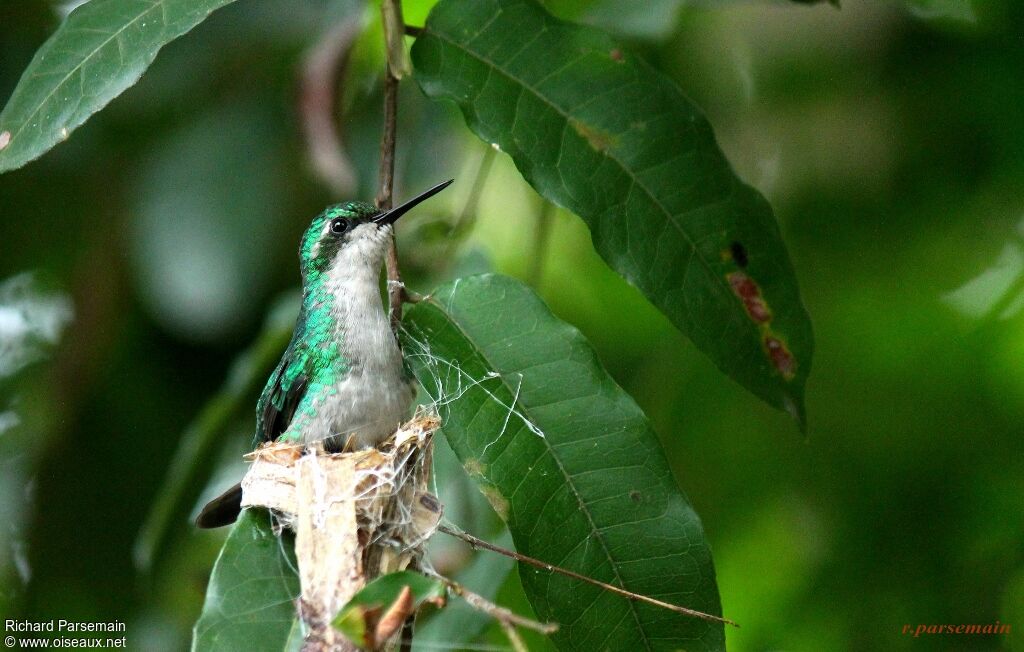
x=339, y=226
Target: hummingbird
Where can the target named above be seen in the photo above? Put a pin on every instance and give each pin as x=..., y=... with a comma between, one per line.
x=342, y=379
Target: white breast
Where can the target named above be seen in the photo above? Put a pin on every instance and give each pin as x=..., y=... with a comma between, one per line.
x=372, y=399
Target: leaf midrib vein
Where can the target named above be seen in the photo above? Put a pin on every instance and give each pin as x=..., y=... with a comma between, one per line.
x=78, y=67
x=670, y=218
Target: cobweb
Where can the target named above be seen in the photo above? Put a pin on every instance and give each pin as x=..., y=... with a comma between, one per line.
x=450, y=382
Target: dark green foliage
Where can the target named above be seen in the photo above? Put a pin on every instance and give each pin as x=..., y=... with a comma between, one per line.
x=101, y=49
x=569, y=461
x=890, y=148
x=596, y=130
x=250, y=602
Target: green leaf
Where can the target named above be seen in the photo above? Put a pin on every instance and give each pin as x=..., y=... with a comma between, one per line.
x=355, y=620
x=102, y=48
x=250, y=600
x=569, y=461
x=598, y=131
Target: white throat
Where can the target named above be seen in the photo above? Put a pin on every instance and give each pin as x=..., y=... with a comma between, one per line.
x=353, y=282
x=374, y=396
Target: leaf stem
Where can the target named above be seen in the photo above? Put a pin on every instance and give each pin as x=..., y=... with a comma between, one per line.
x=468, y=215
x=513, y=637
x=480, y=543
x=541, y=235
x=504, y=616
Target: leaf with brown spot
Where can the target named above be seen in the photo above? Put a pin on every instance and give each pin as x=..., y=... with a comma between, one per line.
x=599, y=140
x=749, y=293
x=601, y=133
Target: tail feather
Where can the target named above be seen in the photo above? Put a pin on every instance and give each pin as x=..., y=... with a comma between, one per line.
x=222, y=510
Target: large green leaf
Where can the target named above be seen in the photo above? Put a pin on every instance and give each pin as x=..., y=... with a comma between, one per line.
x=250, y=600
x=596, y=130
x=102, y=48
x=569, y=461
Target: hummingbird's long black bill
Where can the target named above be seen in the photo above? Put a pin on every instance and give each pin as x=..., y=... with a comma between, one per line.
x=389, y=217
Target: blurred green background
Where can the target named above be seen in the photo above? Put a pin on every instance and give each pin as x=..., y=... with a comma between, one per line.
x=889, y=138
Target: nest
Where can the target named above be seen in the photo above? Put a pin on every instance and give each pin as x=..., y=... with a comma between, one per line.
x=356, y=515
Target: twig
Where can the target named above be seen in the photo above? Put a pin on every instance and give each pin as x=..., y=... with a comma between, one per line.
x=413, y=31
x=501, y=614
x=480, y=543
x=394, y=38
x=513, y=637
x=387, y=173
x=469, y=211
x=545, y=216
x=387, y=142
x=319, y=97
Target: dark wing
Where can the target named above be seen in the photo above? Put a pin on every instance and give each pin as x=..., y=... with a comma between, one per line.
x=273, y=414
x=279, y=400
x=222, y=510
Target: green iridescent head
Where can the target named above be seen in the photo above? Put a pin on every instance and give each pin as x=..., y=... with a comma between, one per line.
x=343, y=225
x=327, y=233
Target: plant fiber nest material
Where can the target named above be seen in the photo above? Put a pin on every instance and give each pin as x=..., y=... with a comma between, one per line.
x=356, y=515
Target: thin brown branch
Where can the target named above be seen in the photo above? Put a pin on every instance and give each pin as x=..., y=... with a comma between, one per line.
x=501, y=614
x=319, y=97
x=386, y=178
x=413, y=31
x=385, y=190
x=480, y=543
